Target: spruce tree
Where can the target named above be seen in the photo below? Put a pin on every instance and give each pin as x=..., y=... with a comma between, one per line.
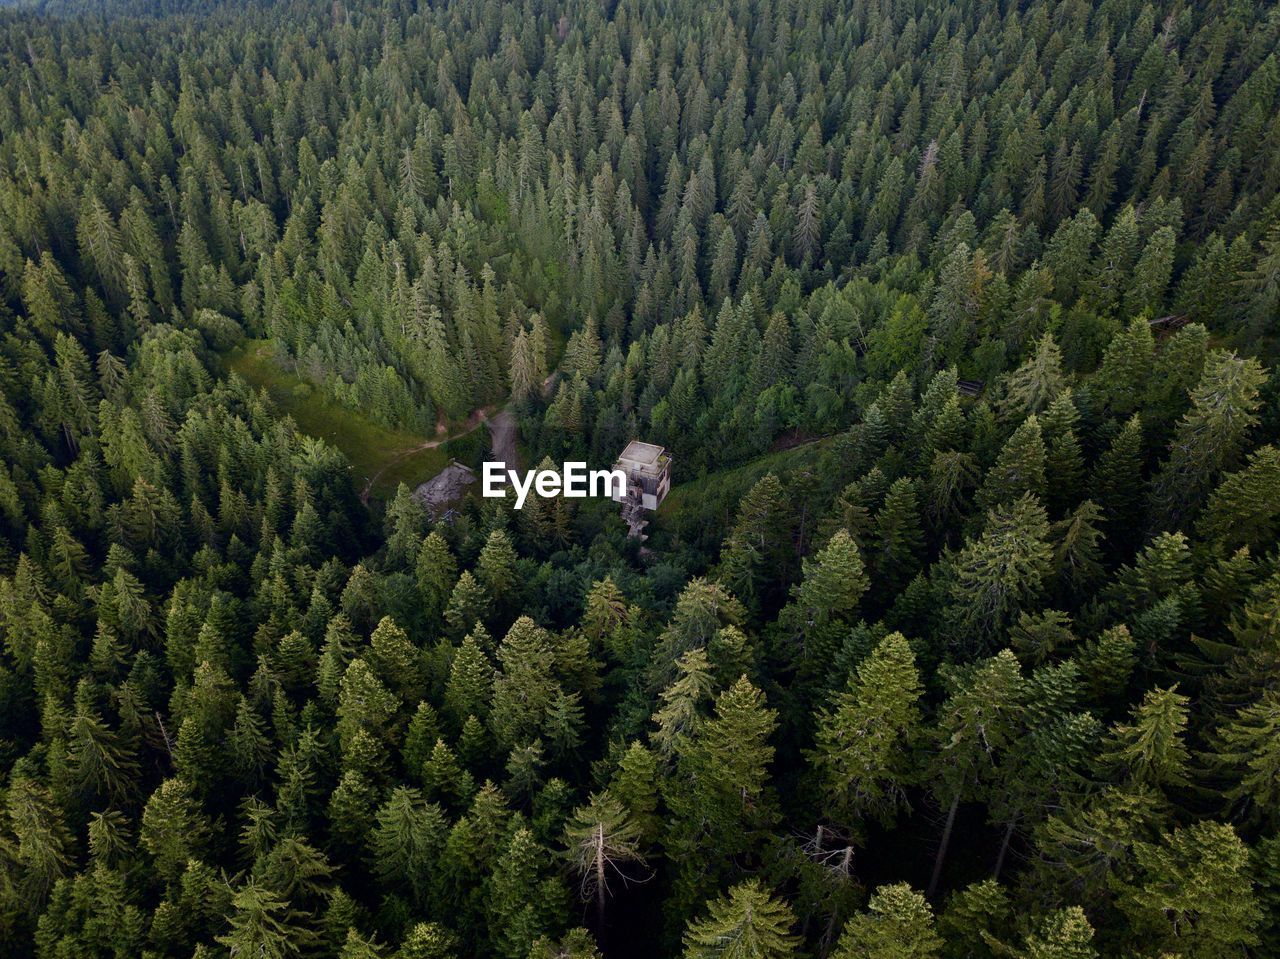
x=1003, y=570
x=748, y=923
x=1193, y=894
x=863, y=750
x=1210, y=437
x=897, y=924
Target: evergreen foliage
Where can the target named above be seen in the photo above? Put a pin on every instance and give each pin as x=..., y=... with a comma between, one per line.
x=957, y=636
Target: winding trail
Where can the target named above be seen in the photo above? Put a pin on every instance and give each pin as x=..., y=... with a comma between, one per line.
x=502, y=431
x=472, y=423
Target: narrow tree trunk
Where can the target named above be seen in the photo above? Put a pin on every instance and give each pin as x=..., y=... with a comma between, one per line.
x=829, y=934
x=942, y=848
x=168, y=743
x=845, y=869
x=600, y=889
x=1004, y=847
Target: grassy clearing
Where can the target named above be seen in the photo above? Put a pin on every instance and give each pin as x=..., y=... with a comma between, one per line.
x=393, y=456
x=700, y=511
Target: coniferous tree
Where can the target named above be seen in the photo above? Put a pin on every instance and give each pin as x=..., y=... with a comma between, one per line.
x=863, y=751
x=602, y=839
x=897, y=924
x=955, y=323
x=748, y=923
x=720, y=794
x=1004, y=569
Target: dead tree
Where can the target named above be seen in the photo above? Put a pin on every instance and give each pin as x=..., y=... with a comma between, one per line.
x=603, y=838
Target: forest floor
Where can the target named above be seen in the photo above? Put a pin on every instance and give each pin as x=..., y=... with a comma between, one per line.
x=381, y=458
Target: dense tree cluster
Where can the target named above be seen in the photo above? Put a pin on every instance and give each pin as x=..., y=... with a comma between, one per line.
x=984, y=667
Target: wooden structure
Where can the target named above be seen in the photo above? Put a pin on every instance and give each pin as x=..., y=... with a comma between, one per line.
x=648, y=471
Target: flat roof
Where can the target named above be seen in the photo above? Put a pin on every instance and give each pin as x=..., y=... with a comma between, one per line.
x=644, y=453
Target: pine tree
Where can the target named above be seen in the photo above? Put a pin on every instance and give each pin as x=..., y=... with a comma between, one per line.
x=754, y=551
x=523, y=903
x=525, y=382
x=44, y=844
x=250, y=746
x=897, y=924
x=365, y=706
x=900, y=539
x=720, y=796
x=1262, y=284
x=1108, y=661
x=395, y=661
x=863, y=751
x=1210, y=437
x=496, y=570
x=824, y=602
x=1116, y=484
x=264, y=925
x=437, y=572
x=469, y=688
x=1243, y=510
x=99, y=762
x=1077, y=550
x=406, y=842
x=1003, y=570
x=1246, y=748
x=1193, y=894
x=748, y=923
x=1020, y=468
x=1064, y=459
x=524, y=687
x=468, y=605
x=1118, y=251
x=1037, y=382
x=335, y=656
x=975, y=918
x=975, y=724
x=351, y=811
x=1146, y=291
x=428, y=940
x=703, y=608
x=174, y=829
x=1126, y=367
x=605, y=616
x=1065, y=934
x=443, y=777
x=357, y=947
x=635, y=786
x=1150, y=750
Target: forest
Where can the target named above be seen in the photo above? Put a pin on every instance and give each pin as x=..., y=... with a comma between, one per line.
x=958, y=636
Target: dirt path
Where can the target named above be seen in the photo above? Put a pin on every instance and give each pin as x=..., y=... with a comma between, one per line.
x=472, y=423
x=502, y=431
